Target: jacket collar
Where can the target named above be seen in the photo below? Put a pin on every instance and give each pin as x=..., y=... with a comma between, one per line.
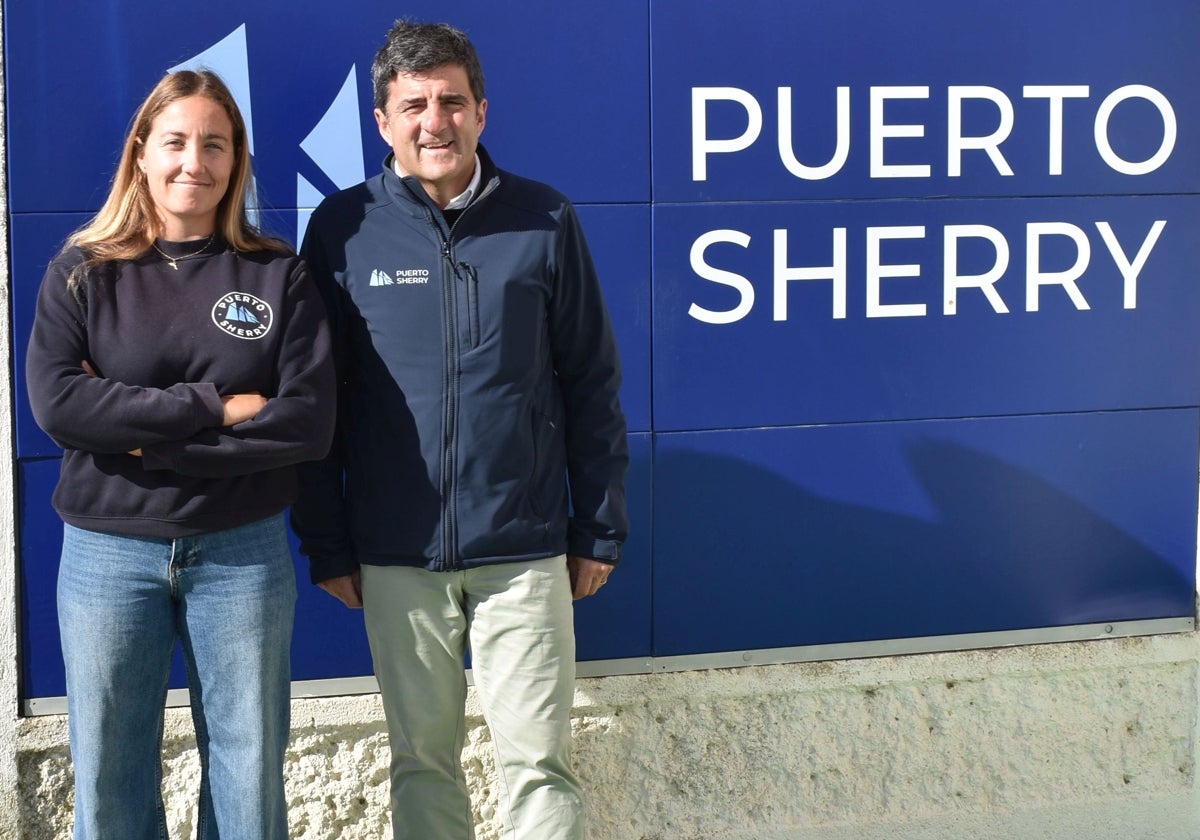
x=409, y=190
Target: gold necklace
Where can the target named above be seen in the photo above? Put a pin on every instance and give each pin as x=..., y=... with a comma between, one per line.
x=174, y=261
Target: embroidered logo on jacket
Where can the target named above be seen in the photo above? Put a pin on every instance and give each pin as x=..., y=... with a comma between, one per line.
x=403, y=277
x=242, y=315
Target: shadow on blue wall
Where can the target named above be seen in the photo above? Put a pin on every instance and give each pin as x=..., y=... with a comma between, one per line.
x=1003, y=549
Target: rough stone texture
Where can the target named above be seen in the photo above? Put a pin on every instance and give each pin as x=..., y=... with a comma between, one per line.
x=9, y=772
x=894, y=747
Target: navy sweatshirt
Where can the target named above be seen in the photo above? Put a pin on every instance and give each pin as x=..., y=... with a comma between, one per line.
x=165, y=345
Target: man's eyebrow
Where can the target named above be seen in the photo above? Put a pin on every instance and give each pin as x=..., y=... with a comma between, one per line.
x=444, y=97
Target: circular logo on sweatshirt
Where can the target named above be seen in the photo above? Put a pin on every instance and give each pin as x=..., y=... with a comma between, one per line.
x=242, y=315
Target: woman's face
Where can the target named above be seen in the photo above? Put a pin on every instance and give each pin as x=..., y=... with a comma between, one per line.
x=187, y=159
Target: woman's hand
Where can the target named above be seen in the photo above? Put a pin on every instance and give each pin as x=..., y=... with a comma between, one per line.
x=242, y=407
x=238, y=407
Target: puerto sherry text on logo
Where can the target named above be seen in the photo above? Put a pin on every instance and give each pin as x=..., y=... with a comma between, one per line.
x=243, y=315
x=400, y=277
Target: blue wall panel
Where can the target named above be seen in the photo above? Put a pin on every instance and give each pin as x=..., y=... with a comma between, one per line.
x=617, y=626
x=798, y=363
x=40, y=542
x=558, y=74
x=812, y=49
x=899, y=467
x=882, y=531
x=619, y=238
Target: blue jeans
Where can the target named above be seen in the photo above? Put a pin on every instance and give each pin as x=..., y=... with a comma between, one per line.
x=229, y=598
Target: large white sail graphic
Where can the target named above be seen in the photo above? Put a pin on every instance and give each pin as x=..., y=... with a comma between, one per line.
x=229, y=58
x=335, y=145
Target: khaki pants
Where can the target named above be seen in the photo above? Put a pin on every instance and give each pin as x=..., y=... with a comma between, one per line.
x=518, y=622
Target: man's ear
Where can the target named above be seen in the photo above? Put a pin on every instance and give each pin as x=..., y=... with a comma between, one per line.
x=481, y=115
x=385, y=129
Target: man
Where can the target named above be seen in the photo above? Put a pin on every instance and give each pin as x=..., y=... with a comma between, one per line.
x=479, y=382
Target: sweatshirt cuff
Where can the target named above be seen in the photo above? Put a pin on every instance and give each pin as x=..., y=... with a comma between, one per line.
x=159, y=456
x=321, y=569
x=210, y=411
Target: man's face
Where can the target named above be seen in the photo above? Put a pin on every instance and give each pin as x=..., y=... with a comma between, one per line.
x=433, y=123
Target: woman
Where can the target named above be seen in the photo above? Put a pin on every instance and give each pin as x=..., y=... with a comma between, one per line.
x=180, y=358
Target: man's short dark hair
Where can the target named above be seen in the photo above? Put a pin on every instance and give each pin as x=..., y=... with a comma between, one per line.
x=419, y=47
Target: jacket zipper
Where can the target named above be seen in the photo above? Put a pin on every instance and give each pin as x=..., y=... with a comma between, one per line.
x=450, y=559
x=450, y=553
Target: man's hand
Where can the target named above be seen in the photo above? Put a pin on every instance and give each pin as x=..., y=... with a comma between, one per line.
x=347, y=589
x=587, y=575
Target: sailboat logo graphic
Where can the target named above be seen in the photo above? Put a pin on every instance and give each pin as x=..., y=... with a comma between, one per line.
x=242, y=315
x=238, y=312
x=334, y=144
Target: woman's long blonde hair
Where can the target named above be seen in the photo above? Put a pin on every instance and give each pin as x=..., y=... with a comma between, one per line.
x=127, y=224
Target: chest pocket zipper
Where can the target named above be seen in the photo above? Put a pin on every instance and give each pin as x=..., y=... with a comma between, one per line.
x=470, y=278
